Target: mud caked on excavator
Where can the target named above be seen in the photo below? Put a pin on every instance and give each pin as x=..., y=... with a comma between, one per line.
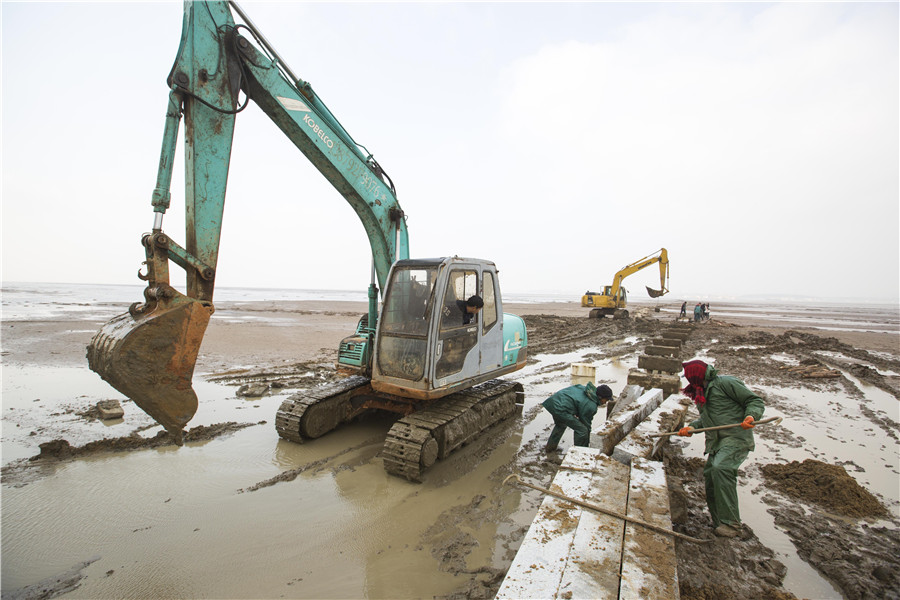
x=416, y=356
x=613, y=300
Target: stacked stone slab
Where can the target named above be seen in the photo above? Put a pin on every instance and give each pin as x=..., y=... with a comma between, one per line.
x=659, y=365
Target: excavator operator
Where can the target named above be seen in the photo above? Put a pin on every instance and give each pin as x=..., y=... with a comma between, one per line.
x=470, y=308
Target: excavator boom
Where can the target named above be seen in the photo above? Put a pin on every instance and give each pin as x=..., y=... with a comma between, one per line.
x=150, y=352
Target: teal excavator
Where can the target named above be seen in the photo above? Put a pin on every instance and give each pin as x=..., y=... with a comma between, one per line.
x=417, y=354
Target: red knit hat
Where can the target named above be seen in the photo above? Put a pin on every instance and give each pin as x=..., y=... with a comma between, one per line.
x=695, y=373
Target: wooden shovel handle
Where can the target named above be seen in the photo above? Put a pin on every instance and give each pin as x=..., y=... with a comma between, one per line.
x=605, y=511
x=776, y=420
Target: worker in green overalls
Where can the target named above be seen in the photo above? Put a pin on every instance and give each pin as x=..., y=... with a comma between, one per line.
x=575, y=407
x=722, y=400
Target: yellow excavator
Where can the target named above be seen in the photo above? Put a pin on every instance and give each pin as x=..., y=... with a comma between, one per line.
x=613, y=300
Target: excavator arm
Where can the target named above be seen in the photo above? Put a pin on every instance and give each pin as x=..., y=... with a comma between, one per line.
x=660, y=256
x=149, y=353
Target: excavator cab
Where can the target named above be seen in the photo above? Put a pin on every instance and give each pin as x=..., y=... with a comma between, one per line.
x=433, y=362
x=426, y=347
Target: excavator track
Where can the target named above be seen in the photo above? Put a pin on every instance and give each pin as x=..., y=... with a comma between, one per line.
x=416, y=441
x=313, y=413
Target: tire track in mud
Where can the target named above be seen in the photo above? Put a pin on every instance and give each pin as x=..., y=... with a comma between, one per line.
x=316, y=466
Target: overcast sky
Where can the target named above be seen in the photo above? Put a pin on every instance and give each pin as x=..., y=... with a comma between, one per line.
x=758, y=143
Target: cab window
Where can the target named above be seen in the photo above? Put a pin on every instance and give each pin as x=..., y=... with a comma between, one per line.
x=489, y=314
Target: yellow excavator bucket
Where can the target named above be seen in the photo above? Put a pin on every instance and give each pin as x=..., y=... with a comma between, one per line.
x=150, y=358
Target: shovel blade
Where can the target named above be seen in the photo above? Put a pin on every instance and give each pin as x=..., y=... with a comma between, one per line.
x=654, y=293
x=150, y=358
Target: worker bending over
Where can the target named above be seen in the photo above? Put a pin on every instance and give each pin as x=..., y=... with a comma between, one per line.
x=722, y=400
x=575, y=407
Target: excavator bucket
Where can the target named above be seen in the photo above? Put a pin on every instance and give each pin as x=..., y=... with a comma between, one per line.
x=150, y=358
x=654, y=293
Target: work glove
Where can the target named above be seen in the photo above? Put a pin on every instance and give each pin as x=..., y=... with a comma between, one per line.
x=748, y=423
x=686, y=431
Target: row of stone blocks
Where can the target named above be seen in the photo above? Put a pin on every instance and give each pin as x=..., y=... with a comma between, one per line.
x=660, y=363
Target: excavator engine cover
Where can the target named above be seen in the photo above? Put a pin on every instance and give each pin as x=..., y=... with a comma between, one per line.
x=150, y=358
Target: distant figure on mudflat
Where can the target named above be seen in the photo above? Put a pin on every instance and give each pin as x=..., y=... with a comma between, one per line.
x=574, y=407
x=722, y=400
x=698, y=312
x=683, y=310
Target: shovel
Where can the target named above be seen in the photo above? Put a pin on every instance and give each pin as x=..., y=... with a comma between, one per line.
x=775, y=420
x=611, y=513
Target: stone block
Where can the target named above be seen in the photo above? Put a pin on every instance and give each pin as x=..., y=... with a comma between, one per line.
x=669, y=384
x=676, y=335
x=659, y=363
x=615, y=429
x=661, y=350
x=629, y=394
x=669, y=416
x=110, y=409
x=665, y=342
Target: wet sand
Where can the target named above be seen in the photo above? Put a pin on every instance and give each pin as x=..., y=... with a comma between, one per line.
x=218, y=518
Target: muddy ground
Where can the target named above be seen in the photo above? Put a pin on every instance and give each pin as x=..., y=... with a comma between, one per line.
x=825, y=512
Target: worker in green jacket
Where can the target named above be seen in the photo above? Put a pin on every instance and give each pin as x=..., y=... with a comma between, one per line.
x=575, y=407
x=722, y=400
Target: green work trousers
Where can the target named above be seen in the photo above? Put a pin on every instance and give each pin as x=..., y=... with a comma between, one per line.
x=720, y=475
x=561, y=422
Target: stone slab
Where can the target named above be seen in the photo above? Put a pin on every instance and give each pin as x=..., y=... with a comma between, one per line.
x=676, y=335
x=608, y=434
x=665, y=342
x=629, y=394
x=661, y=350
x=649, y=566
x=669, y=384
x=110, y=409
x=659, y=363
x=668, y=416
x=570, y=551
